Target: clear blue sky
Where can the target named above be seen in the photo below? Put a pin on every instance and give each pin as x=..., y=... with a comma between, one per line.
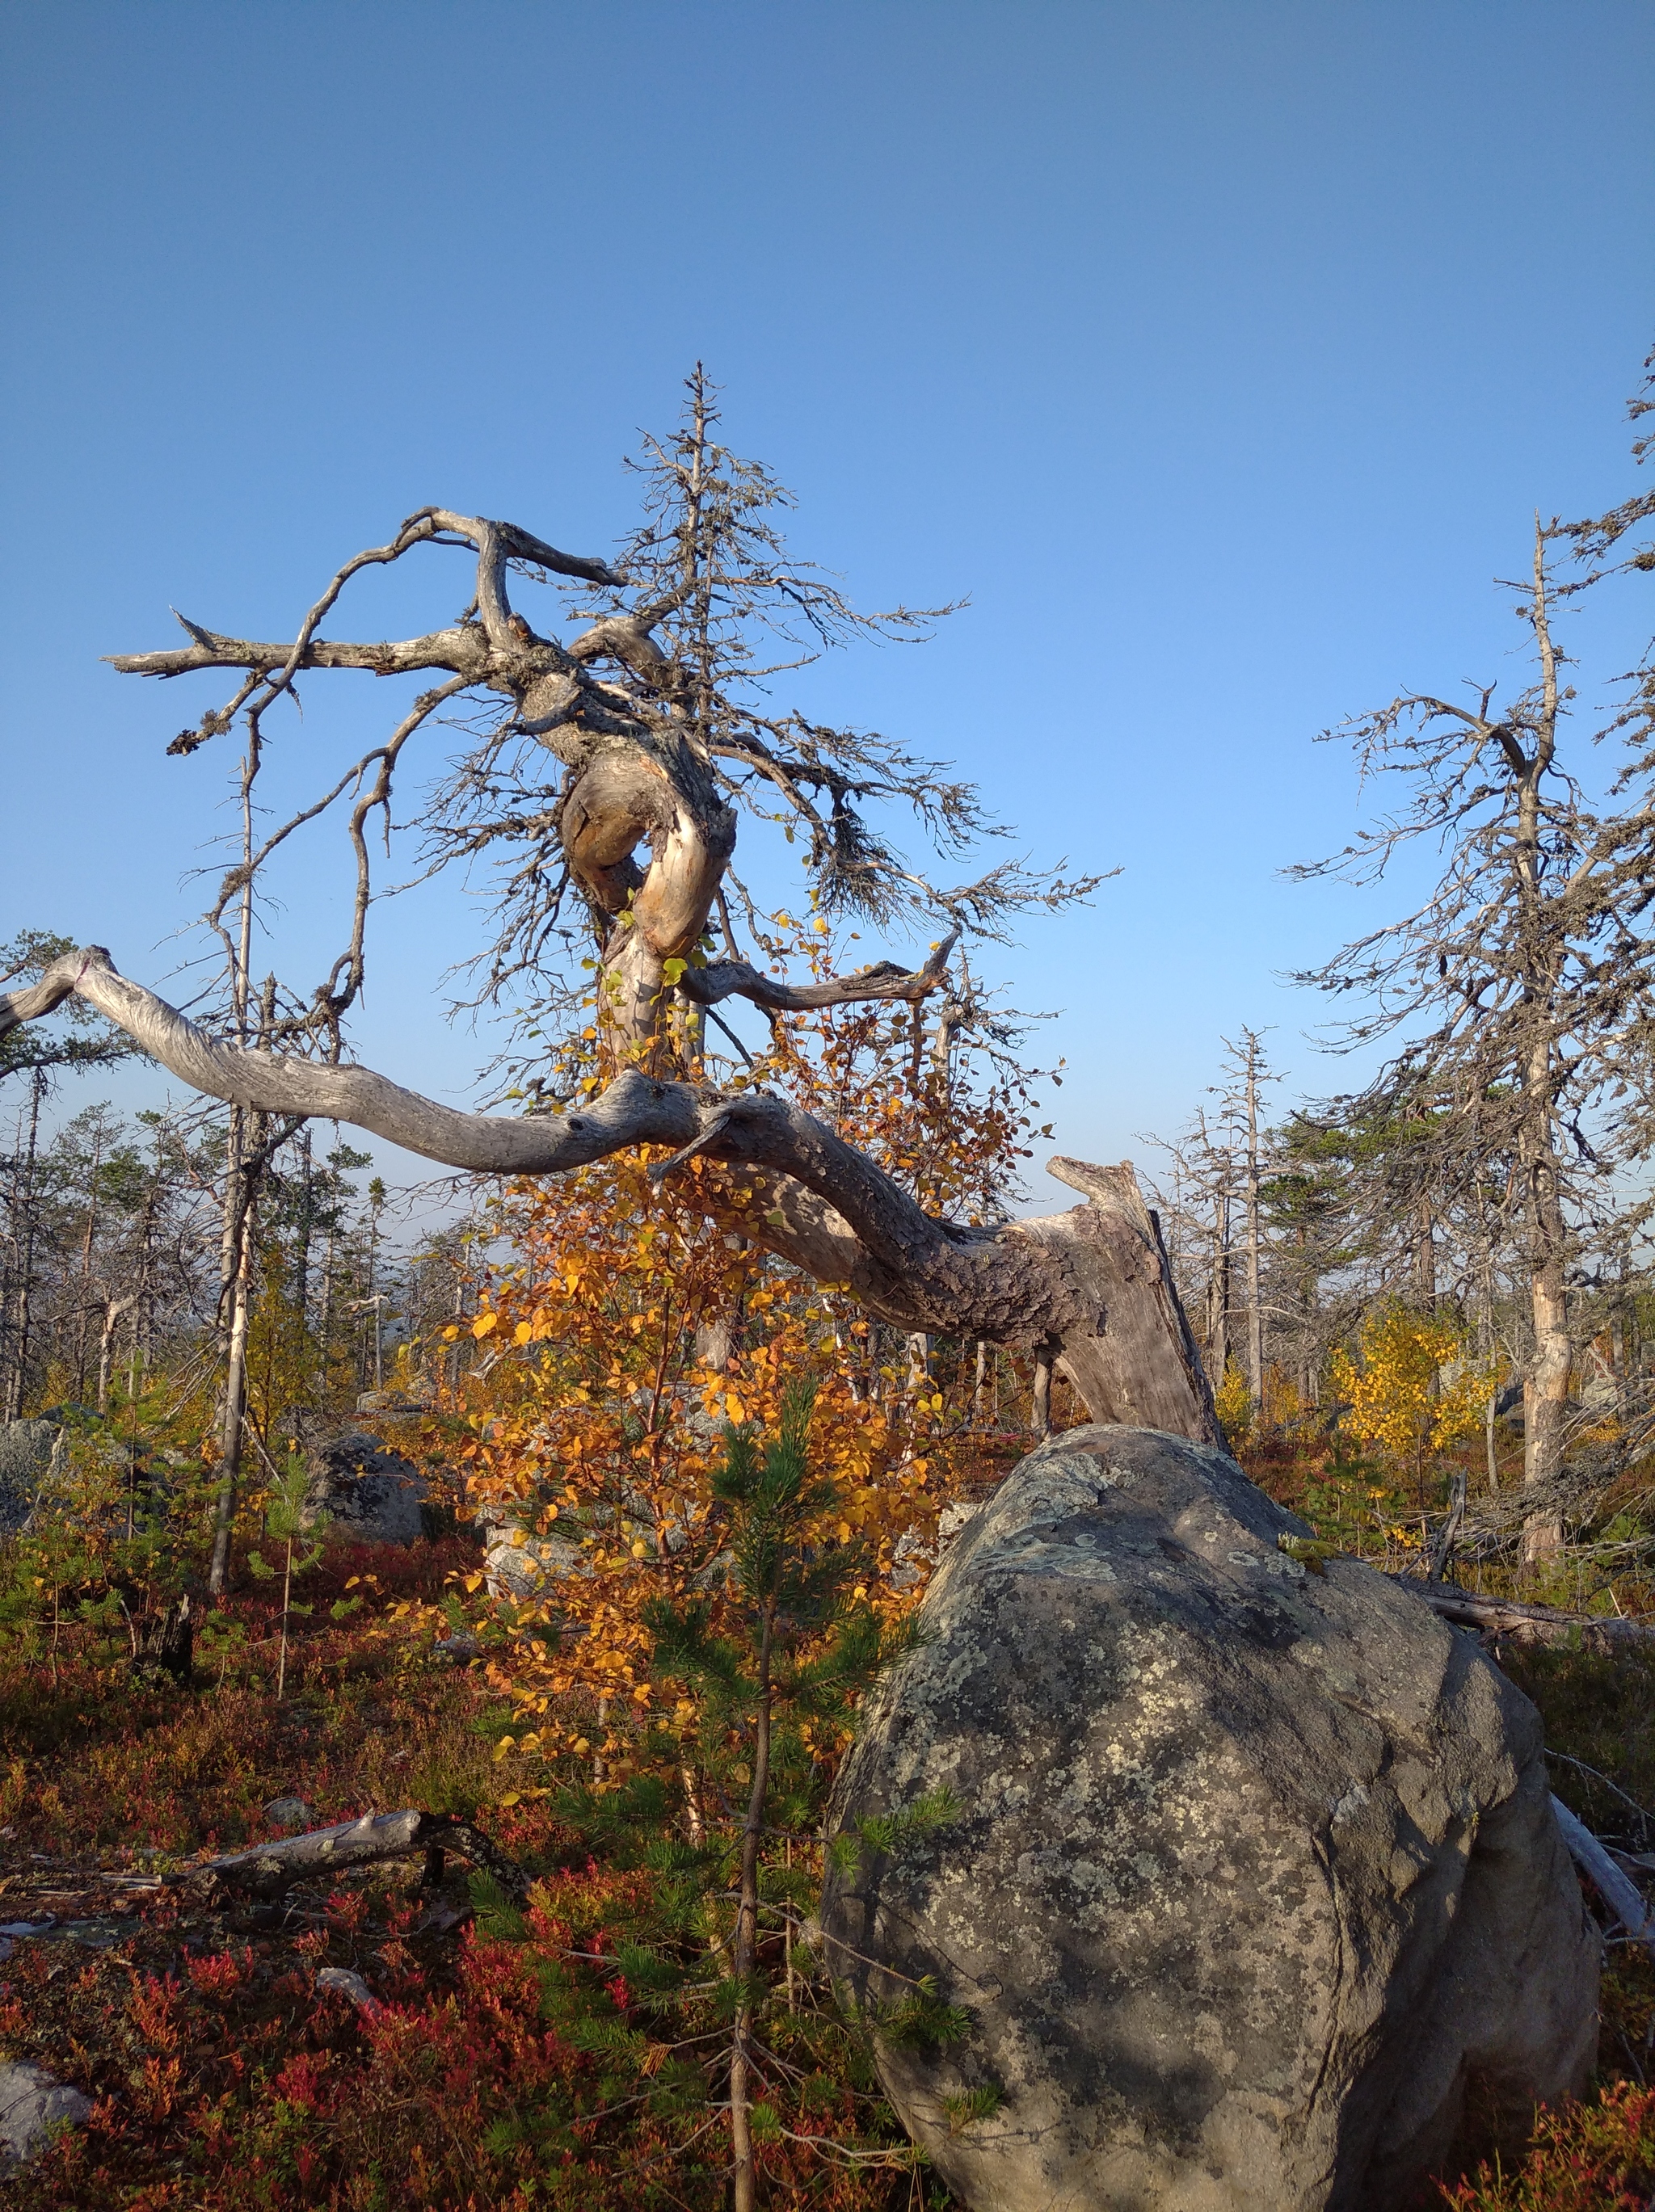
x=1222, y=353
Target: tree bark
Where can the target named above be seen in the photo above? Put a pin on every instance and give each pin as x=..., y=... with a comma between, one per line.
x=167, y=1641
x=1218, y=1293
x=1040, y=1403
x=1531, y=1623
x=1547, y=1384
x=237, y=1287
x=1618, y=1891
x=744, y=1951
x=17, y=1380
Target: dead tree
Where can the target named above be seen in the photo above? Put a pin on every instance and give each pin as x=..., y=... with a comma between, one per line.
x=1527, y=977
x=1094, y=1281
x=661, y=737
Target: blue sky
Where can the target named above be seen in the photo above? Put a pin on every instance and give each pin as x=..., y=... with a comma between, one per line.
x=1221, y=353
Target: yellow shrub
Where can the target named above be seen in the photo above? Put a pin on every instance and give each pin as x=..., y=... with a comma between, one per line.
x=1414, y=1391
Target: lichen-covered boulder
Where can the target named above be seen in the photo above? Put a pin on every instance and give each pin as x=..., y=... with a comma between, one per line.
x=26, y=1455
x=1253, y=1888
x=365, y=1490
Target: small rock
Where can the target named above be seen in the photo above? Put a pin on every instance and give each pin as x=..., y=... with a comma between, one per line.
x=28, y=1927
x=398, y=1403
x=290, y=1814
x=341, y=1981
x=96, y=1935
x=457, y=1649
x=31, y=2104
x=519, y=1563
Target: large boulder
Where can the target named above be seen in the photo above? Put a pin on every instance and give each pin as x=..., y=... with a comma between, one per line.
x=365, y=1490
x=1254, y=1899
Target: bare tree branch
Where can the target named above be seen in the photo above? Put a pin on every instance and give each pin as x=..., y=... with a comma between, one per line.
x=1093, y=1284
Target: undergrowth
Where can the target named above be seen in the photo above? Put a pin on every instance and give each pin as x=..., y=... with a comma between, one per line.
x=516, y=2057
x=225, y=2079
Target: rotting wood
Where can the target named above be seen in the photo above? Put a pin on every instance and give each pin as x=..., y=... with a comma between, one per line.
x=268, y=1870
x=1529, y=1624
x=167, y=1640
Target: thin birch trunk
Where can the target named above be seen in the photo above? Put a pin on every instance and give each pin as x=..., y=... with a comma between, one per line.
x=1040, y=1407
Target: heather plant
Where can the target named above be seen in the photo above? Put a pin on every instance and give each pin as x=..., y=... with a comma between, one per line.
x=1593, y=2157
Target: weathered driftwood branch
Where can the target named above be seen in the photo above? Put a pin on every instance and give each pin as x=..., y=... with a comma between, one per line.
x=1529, y=1624
x=1618, y=1891
x=270, y=1868
x=1093, y=1286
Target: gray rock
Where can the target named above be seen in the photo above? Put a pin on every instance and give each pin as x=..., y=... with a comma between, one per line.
x=290, y=1814
x=1254, y=1880
x=520, y=1563
x=32, y=2104
x=397, y=1402
x=367, y=1492
x=96, y=1935
x=26, y=1453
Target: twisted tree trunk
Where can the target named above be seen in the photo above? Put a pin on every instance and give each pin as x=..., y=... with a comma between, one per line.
x=1093, y=1286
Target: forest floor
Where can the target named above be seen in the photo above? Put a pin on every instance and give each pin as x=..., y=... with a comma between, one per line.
x=224, y=2077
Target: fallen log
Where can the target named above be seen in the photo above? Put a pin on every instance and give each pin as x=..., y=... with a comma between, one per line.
x=268, y=1870
x=1618, y=1891
x=1529, y=1624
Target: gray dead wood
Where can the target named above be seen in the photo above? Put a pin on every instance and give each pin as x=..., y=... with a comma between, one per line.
x=1529, y=1624
x=1618, y=1891
x=1092, y=1285
x=269, y=1869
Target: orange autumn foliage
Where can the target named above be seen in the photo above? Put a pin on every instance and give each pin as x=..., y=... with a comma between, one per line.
x=634, y=1319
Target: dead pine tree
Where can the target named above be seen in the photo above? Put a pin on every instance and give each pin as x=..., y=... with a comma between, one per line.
x=611, y=751
x=1249, y=1075
x=1523, y=986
